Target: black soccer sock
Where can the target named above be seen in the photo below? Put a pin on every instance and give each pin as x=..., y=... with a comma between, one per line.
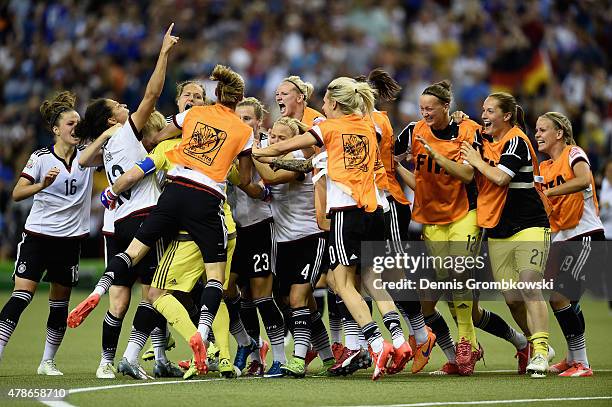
x=10, y=314
x=159, y=337
x=211, y=299
x=320, y=339
x=142, y=326
x=394, y=326
x=118, y=265
x=56, y=327
x=236, y=327
x=111, y=329
x=319, y=296
x=248, y=314
x=274, y=325
x=494, y=324
x=300, y=320
x=335, y=319
x=443, y=337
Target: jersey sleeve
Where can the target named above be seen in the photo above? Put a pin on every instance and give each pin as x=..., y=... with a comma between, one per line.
x=179, y=119
x=32, y=169
x=317, y=132
x=514, y=156
x=576, y=155
x=158, y=155
x=403, y=143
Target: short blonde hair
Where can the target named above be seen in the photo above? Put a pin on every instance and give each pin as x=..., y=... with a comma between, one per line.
x=561, y=122
x=230, y=86
x=296, y=126
x=154, y=124
x=258, y=107
x=305, y=88
x=352, y=96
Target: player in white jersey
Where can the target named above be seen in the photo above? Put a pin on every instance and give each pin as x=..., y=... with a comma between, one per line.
x=299, y=250
x=120, y=153
x=574, y=257
x=55, y=227
x=252, y=265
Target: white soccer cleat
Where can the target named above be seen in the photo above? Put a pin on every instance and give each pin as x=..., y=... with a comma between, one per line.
x=538, y=366
x=106, y=371
x=48, y=368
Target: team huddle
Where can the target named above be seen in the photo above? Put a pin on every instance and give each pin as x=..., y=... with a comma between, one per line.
x=220, y=221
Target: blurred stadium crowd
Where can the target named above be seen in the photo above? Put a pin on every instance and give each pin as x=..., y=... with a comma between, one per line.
x=552, y=55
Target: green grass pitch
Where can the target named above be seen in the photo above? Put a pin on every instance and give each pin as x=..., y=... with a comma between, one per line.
x=79, y=356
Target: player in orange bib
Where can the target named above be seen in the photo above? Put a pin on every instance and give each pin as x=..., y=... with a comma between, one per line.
x=445, y=203
x=511, y=208
x=350, y=141
x=575, y=223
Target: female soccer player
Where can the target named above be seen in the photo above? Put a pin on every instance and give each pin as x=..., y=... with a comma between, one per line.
x=299, y=250
x=350, y=141
x=54, y=229
x=445, y=201
x=512, y=210
x=118, y=154
x=254, y=262
x=569, y=184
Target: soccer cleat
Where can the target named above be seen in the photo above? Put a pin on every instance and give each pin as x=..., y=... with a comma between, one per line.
x=255, y=369
x=349, y=362
x=559, y=367
x=467, y=369
x=523, y=356
x=337, y=350
x=310, y=356
x=447, y=370
x=48, y=368
x=381, y=360
x=422, y=352
x=184, y=364
x=191, y=372
x=538, y=366
x=295, y=368
x=274, y=371
x=578, y=370
x=78, y=315
x=242, y=353
x=263, y=352
x=132, y=369
x=199, y=353
x=226, y=369
x=213, y=351
x=106, y=371
x=401, y=356
x=324, y=370
x=166, y=369
x=150, y=353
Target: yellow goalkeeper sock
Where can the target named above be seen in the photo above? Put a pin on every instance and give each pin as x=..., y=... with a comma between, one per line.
x=465, y=326
x=540, y=343
x=176, y=314
x=220, y=328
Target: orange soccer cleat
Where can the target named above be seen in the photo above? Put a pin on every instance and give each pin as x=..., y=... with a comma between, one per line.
x=78, y=315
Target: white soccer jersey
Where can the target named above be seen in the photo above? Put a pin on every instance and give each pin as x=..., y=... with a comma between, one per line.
x=121, y=152
x=248, y=211
x=63, y=208
x=293, y=208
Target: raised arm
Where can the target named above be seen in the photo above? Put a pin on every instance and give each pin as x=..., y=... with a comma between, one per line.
x=156, y=83
x=168, y=132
